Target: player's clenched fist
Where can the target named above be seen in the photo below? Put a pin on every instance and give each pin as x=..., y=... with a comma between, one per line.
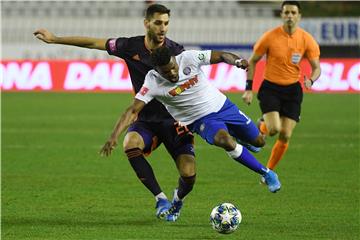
x=241, y=63
x=45, y=35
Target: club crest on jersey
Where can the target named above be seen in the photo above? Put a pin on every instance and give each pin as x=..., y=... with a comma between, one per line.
x=186, y=85
x=187, y=70
x=144, y=90
x=201, y=56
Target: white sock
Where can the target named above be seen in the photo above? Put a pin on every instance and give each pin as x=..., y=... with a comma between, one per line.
x=236, y=152
x=160, y=195
x=176, y=197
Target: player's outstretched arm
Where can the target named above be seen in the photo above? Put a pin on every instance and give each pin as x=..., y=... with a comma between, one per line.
x=85, y=42
x=248, y=94
x=229, y=58
x=128, y=117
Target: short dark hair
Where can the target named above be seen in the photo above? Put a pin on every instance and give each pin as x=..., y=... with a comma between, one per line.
x=295, y=3
x=161, y=56
x=156, y=8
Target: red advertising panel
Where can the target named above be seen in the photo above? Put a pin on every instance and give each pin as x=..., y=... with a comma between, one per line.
x=338, y=75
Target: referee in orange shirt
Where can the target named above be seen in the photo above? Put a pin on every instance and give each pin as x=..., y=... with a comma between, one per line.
x=280, y=94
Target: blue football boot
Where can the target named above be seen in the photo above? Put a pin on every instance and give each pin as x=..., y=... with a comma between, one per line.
x=162, y=207
x=174, y=211
x=272, y=181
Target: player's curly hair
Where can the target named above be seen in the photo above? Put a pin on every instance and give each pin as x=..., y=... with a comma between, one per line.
x=156, y=8
x=160, y=56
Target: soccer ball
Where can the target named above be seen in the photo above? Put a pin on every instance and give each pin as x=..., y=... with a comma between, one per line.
x=225, y=218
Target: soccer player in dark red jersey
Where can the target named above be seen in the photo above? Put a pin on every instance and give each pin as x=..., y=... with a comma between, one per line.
x=154, y=124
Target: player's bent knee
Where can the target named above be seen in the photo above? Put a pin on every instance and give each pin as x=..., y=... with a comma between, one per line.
x=186, y=165
x=284, y=137
x=133, y=140
x=273, y=131
x=188, y=173
x=259, y=141
x=224, y=140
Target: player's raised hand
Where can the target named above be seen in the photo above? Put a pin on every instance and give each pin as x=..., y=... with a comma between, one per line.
x=247, y=97
x=108, y=147
x=45, y=36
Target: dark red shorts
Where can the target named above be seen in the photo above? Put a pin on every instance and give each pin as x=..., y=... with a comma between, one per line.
x=176, y=141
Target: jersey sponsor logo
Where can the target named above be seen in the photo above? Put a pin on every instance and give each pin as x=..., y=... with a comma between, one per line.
x=181, y=88
x=201, y=56
x=143, y=90
x=187, y=70
x=295, y=58
x=112, y=45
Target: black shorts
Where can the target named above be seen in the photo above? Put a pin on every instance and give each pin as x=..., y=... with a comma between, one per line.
x=283, y=99
x=176, y=140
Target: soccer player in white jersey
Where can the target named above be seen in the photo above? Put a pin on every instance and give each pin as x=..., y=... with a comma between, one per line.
x=179, y=83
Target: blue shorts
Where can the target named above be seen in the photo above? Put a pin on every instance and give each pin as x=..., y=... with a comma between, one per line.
x=229, y=118
x=165, y=131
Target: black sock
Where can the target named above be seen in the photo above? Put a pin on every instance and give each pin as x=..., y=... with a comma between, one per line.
x=143, y=170
x=185, y=185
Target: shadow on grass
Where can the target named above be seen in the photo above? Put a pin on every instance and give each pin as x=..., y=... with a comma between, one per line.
x=31, y=221
x=74, y=222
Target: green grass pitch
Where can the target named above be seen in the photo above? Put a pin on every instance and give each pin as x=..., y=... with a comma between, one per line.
x=56, y=186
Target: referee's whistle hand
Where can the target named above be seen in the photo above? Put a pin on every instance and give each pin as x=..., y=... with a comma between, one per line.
x=307, y=82
x=247, y=97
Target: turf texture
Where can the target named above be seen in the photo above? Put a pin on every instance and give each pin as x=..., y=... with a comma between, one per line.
x=56, y=186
